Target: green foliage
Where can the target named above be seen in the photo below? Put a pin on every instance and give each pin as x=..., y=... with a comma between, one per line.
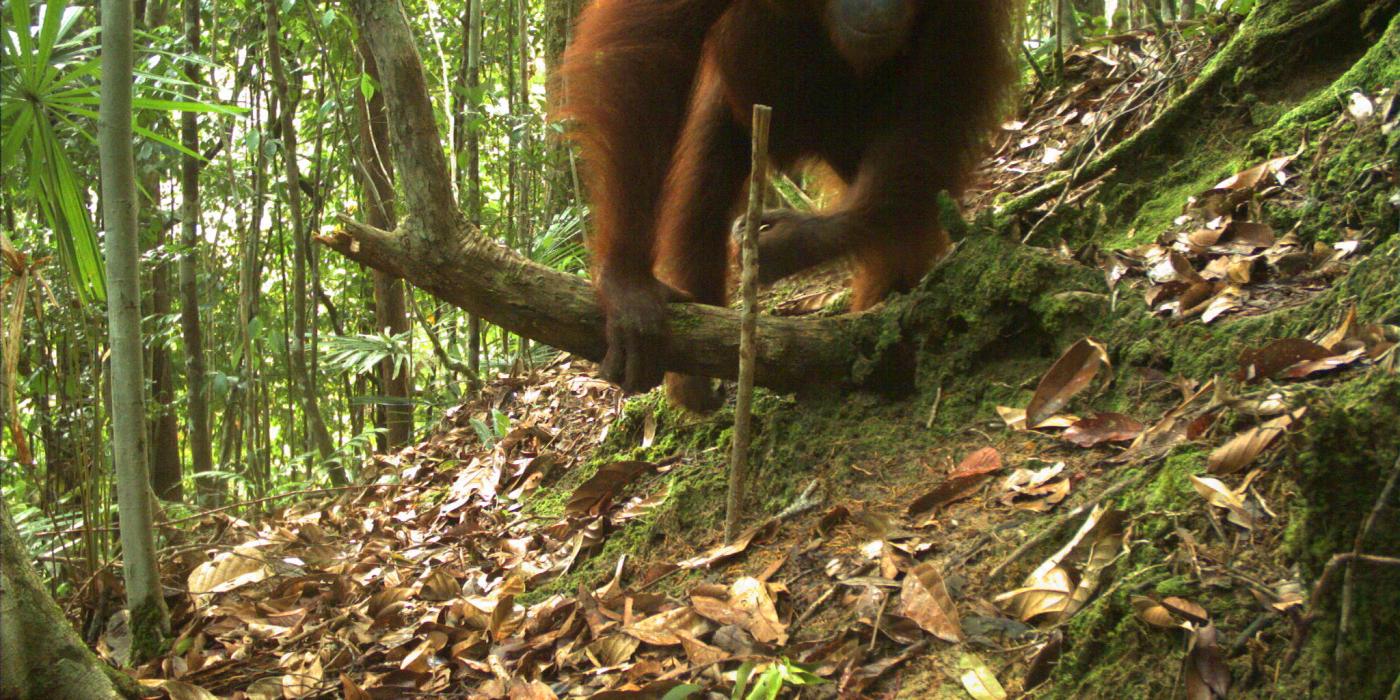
x=771, y=681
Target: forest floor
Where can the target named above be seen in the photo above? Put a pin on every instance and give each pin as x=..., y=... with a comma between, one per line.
x=1142, y=427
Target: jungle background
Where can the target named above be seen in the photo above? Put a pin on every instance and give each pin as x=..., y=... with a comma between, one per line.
x=1151, y=449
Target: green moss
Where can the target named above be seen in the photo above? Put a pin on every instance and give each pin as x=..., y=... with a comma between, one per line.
x=1348, y=448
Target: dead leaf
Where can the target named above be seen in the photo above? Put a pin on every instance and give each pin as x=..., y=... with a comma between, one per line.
x=961, y=483
x=1343, y=332
x=1219, y=495
x=1244, y=447
x=1207, y=673
x=227, y=571
x=1152, y=612
x=1067, y=377
x=1265, y=362
x=924, y=599
x=724, y=551
x=592, y=497
x=1036, y=490
x=1307, y=368
x=666, y=628
x=613, y=649
x=1042, y=664
x=1186, y=609
x=1250, y=178
x=1015, y=418
x=1101, y=428
x=303, y=675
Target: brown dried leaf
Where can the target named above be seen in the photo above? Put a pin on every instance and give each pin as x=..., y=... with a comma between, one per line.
x=1186, y=609
x=303, y=675
x=1015, y=418
x=961, y=483
x=1244, y=447
x=227, y=571
x=592, y=497
x=666, y=628
x=724, y=551
x=1250, y=178
x=1308, y=368
x=1207, y=673
x=613, y=649
x=1346, y=330
x=1067, y=377
x=924, y=599
x=1042, y=664
x=1152, y=612
x=1047, y=594
x=1265, y=362
x=531, y=690
x=1103, y=427
x=1219, y=495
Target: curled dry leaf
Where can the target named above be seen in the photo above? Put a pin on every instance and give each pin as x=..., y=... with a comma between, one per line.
x=724, y=551
x=1186, y=609
x=1036, y=490
x=1067, y=377
x=1219, y=495
x=1152, y=612
x=1308, y=368
x=1101, y=428
x=1241, y=450
x=1051, y=588
x=748, y=606
x=1043, y=663
x=924, y=599
x=1207, y=673
x=613, y=649
x=227, y=571
x=592, y=497
x=1265, y=362
x=961, y=483
x=1250, y=178
x=666, y=628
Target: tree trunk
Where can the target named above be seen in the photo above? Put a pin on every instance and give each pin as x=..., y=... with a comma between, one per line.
x=149, y=619
x=302, y=381
x=44, y=659
x=390, y=311
x=165, y=425
x=196, y=385
x=473, y=67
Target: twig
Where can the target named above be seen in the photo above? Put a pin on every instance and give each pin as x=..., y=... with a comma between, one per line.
x=748, y=324
x=1349, y=575
x=1255, y=627
x=933, y=412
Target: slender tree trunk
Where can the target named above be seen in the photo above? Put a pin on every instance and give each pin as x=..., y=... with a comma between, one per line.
x=390, y=312
x=196, y=385
x=474, y=175
x=149, y=619
x=301, y=379
x=165, y=425
x=249, y=299
x=522, y=154
x=44, y=659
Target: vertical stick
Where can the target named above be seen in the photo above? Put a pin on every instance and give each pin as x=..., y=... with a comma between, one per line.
x=748, y=327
